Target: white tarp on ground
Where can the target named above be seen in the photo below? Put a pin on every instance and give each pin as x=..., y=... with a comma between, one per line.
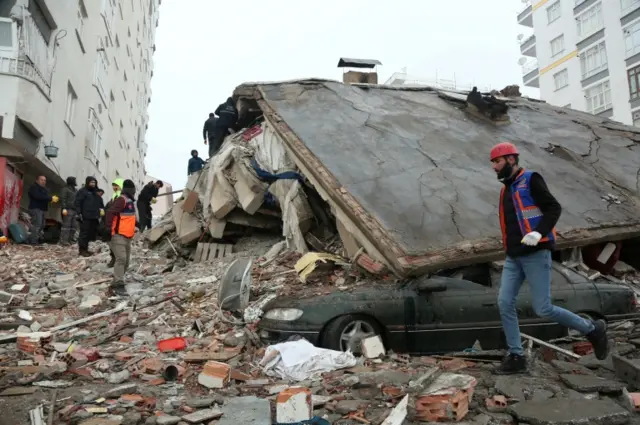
x=300, y=360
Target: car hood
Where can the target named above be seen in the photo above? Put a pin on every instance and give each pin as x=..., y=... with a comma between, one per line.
x=390, y=291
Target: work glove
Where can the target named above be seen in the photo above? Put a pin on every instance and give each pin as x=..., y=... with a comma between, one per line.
x=531, y=238
x=65, y=212
x=154, y=200
x=54, y=199
x=101, y=212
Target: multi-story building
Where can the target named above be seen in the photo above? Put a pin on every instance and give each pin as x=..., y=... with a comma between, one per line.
x=75, y=75
x=584, y=54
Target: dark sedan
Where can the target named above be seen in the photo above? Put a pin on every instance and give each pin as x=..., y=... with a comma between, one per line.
x=437, y=314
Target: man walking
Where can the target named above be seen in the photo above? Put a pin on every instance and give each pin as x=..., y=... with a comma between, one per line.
x=121, y=227
x=209, y=132
x=147, y=197
x=89, y=208
x=68, y=205
x=528, y=215
x=195, y=163
x=39, y=199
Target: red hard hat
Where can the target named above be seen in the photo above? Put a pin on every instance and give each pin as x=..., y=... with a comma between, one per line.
x=503, y=149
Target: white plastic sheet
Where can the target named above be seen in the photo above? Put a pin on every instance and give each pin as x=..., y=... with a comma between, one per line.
x=300, y=360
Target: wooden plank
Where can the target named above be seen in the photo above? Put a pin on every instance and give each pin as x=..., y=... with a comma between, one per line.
x=198, y=255
x=221, y=251
x=206, y=356
x=212, y=251
x=205, y=252
x=190, y=203
x=228, y=250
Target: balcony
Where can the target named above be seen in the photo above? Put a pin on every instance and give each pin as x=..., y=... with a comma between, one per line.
x=528, y=47
x=531, y=74
x=526, y=16
x=28, y=57
x=628, y=6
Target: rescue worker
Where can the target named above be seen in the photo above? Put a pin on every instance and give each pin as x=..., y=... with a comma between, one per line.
x=209, y=131
x=195, y=163
x=39, y=199
x=528, y=215
x=89, y=207
x=147, y=197
x=68, y=205
x=227, y=117
x=116, y=185
x=121, y=223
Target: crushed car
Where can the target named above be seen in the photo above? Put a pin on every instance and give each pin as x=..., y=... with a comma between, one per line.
x=446, y=312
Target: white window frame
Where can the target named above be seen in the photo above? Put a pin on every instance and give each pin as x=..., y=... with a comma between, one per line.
x=627, y=5
x=635, y=116
x=554, y=12
x=81, y=16
x=598, y=97
x=108, y=12
x=94, y=142
x=101, y=76
x=12, y=50
x=631, y=34
x=558, y=41
x=589, y=21
x=595, y=55
x=561, y=79
x=70, y=108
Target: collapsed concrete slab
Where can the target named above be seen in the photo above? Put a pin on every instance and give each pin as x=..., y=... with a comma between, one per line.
x=564, y=411
x=406, y=170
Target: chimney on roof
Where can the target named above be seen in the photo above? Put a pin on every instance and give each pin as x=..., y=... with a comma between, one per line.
x=359, y=76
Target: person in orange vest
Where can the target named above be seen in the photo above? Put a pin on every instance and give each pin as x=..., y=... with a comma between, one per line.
x=528, y=216
x=121, y=227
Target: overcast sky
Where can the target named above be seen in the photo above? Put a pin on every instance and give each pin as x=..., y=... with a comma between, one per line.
x=206, y=48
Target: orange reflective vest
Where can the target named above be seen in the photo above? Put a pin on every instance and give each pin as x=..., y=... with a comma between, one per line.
x=124, y=223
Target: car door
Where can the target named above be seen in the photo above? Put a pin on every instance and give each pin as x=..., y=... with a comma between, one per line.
x=454, y=319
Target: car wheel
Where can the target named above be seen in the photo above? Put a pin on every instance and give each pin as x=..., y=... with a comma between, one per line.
x=586, y=316
x=346, y=333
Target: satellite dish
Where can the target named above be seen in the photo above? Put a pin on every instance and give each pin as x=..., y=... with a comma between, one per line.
x=522, y=61
x=520, y=37
x=235, y=285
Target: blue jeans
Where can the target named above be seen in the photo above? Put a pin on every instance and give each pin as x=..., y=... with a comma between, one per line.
x=536, y=269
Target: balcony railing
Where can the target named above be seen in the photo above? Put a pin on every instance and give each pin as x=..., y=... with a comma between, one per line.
x=25, y=69
x=628, y=5
x=529, y=66
x=402, y=79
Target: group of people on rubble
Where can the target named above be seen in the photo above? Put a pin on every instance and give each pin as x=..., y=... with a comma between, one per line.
x=115, y=222
x=215, y=129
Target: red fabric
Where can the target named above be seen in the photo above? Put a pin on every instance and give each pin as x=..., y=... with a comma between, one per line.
x=116, y=208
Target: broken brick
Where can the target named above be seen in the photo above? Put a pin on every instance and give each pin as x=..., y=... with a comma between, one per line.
x=294, y=405
x=497, y=403
x=214, y=375
x=582, y=348
x=442, y=407
x=239, y=375
x=124, y=356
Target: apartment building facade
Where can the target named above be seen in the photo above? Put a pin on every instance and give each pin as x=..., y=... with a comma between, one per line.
x=75, y=75
x=584, y=54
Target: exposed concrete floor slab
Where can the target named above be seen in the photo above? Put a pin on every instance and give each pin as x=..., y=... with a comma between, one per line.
x=570, y=412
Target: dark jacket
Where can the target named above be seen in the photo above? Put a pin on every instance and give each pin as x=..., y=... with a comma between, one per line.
x=39, y=197
x=209, y=129
x=68, y=198
x=195, y=164
x=88, y=202
x=117, y=206
x=149, y=191
x=228, y=114
x=547, y=204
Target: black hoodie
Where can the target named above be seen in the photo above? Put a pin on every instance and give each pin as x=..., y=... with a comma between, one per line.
x=227, y=113
x=68, y=195
x=88, y=202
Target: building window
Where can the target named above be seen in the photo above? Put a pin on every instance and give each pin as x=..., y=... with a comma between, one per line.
x=627, y=5
x=557, y=46
x=561, y=79
x=81, y=17
x=94, y=134
x=598, y=98
x=636, y=118
x=106, y=163
x=633, y=76
x=632, y=39
x=102, y=65
x=109, y=15
x=554, y=12
x=70, y=111
x=40, y=19
x=589, y=21
x=117, y=42
x=7, y=37
x=593, y=60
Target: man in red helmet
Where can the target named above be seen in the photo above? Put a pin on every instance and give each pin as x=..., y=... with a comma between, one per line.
x=528, y=215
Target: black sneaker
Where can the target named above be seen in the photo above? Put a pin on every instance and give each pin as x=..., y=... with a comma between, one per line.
x=118, y=289
x=85, y=254
x=598, y=338
x=512, y=364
